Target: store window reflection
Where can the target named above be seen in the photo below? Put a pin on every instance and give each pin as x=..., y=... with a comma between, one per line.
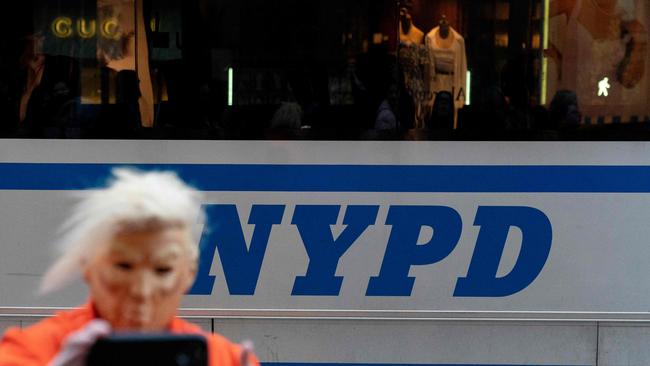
x=334, y=70
x=599, y=49
x=40, y=90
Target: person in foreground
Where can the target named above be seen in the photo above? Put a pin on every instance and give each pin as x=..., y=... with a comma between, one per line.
x=134, y=246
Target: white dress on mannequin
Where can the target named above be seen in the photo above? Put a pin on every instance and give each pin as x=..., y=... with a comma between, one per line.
x=449, y=68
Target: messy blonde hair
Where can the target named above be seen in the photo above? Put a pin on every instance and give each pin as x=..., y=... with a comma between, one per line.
x=132, y=201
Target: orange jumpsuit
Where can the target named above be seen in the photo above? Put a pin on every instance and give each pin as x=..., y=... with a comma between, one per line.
x=40, y=343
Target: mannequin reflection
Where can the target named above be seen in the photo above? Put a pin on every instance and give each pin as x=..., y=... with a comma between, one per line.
x=134, y=53
x=415, y=63
x=408, y=32
x=443, y=35
x=449, y=63
x=42, y=90
x=33, y=61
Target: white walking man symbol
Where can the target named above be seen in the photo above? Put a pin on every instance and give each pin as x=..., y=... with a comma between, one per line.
x=603, y=87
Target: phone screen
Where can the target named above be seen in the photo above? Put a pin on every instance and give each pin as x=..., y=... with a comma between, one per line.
x=149, y=349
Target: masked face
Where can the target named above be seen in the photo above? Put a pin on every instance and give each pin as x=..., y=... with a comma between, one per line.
x=138, y=280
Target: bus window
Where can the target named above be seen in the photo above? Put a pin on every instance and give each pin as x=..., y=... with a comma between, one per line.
x=333, y=70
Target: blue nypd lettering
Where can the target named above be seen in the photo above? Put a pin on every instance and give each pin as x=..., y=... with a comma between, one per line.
x=495, y=222
x=403, y=250
x=224, y=235
x=313, y=223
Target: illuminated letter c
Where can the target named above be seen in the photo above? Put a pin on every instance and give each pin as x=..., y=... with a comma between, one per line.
x=62, y=27
x=110, y=29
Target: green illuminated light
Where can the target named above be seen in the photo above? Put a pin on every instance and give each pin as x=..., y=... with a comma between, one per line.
x=231, y=74
x=468, y=88
x=544, y=75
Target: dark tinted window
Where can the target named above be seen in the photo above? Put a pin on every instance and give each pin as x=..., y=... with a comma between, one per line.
x=336, y=69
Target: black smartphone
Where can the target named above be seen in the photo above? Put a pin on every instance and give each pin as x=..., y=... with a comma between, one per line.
x=149, y=349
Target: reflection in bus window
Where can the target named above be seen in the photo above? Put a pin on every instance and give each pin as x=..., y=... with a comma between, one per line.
x=610, y=36
x=40, y=91
x=123, y=49
x=336, y=70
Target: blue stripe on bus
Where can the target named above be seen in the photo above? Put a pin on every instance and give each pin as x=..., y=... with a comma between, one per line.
x=391, y=364
x=345, y=178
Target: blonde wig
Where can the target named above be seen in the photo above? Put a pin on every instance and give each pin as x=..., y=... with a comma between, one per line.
x=132, y=201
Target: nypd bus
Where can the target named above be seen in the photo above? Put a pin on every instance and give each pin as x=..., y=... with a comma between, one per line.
x=385, y=182
x=375, y=253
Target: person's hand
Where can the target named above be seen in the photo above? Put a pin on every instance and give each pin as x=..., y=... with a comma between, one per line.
x=246, y=352
x=76, y=347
